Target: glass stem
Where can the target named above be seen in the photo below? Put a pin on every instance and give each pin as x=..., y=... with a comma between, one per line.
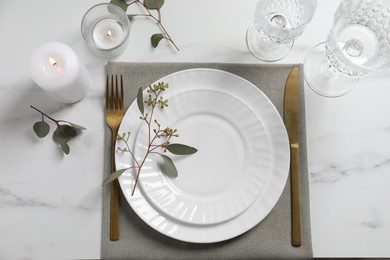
x=329, y=71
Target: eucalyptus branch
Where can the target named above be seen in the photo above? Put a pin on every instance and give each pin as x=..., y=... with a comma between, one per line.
x=159, y=22
x=148, y=6
x=43, y=114
x=65, y=130
x=154, y=101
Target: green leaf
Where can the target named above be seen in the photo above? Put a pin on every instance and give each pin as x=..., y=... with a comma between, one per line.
x=121, y=3
x=41, y=129
x=140, y=101
x=114, y=176
x=153, y=4
x=181, y=149
x=156, y=38
x=65, y=147
x=77, y=126
x=170, y=165
x=63, y=134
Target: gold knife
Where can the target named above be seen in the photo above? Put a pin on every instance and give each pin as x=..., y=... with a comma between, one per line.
x=291, y=120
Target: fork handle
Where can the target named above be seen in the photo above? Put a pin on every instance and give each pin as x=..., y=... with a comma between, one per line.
x=114, y=210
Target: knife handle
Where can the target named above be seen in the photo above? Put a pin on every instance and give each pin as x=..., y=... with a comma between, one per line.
x=295, y=197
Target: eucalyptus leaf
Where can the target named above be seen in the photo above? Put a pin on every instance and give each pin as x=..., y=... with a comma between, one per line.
x=63, y=134
x=77, y=126
x=121, y=3
x=41, y=129
x=153, y=4
x=156, y=38
x=181, y=149
x=65, y=147
x=140, y=101
x=114, y=176
x=170, y=165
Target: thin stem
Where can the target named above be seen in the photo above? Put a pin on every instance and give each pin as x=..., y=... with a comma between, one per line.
x=154, y=138
x=147, y=122
x=167, y=36
x=158, y=21
x=156, y=147
x=136, y=1
x=44, y=114
x=139, y=171
x=132, y=167
x=159, y=15
x=129, y=150
x=142, y=163
x=151, y=118
x=144, y=15
x=147, y=152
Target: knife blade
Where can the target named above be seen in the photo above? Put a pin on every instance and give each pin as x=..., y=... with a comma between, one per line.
x=291, y=120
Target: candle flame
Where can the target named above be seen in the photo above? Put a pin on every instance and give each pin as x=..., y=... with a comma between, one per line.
x=110, y=36
x=52, y=62
x=55, y=65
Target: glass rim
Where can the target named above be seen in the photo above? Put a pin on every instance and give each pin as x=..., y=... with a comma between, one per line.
x=292, y=29
x=115, y=7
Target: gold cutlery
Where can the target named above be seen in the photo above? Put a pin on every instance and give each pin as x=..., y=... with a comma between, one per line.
x=114, y=115
x=291, y=120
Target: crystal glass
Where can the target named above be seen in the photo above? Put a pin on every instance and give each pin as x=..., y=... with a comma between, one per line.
x=106, y=28
x=276, y=25
x=358, y=43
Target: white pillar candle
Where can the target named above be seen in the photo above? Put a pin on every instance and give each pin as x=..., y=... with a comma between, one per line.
x=56, y=69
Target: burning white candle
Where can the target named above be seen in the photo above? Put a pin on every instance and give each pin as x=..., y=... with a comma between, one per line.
x=106, y=28
x=108, y=34
x=56, y=69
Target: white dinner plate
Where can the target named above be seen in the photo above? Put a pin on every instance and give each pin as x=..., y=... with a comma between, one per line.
x=219, y=193
x=229, y=170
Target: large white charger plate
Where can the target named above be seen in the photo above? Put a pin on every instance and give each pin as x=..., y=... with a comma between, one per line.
x=273, y=154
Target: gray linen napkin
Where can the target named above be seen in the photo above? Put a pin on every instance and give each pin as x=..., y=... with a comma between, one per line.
x=270, y=239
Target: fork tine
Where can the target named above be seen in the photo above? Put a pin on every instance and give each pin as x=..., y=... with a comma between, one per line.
x=107, y=94
x=117, y=98
x=112, y=94
x=122, y=96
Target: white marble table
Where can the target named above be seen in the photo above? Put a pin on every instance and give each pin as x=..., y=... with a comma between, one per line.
x=50, y=204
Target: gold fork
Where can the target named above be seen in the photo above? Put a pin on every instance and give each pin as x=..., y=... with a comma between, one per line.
x=114, y=115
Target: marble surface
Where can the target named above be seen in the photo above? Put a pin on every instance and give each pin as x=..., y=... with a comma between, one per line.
x=50, y=204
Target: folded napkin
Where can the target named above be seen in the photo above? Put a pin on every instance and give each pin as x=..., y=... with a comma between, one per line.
x=270, y=239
